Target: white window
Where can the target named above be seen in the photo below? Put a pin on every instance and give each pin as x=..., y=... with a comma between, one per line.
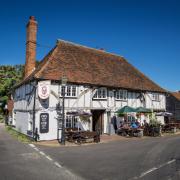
x=70, y=91
x=100, y=93
x=121, y=94
x=155, y=97
x=30, y=125
x=30, y=122
x=71, y=121
x=73, y=91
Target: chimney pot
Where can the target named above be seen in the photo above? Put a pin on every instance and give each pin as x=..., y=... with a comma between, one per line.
x=32, y=18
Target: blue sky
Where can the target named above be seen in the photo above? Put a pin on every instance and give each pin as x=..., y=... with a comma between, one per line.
x=145, y=32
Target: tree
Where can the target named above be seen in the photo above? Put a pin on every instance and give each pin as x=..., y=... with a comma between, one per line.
x=9, y=75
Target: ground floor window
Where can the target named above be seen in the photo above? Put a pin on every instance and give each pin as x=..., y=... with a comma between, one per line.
x=30, y=125
x=30, y=122
x=71, y=121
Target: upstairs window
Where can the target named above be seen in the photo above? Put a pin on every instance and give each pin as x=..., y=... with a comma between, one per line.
x=155, y=97
x=100, y=93
x=121, y=94
x=70, y=91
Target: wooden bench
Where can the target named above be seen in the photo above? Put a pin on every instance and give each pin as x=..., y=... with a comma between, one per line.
x=82, y=136
x=137, y=132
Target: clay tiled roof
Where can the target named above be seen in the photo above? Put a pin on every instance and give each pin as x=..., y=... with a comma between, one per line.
x=176, y=95
x=85, y=65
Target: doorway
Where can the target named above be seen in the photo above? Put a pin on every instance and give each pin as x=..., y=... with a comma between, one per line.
x=98, y=120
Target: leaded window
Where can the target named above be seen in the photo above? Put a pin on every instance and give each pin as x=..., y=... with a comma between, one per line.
x=100, y=93
x=121, y=94
x=71, y=121
x=155, y=97
x=69, y=91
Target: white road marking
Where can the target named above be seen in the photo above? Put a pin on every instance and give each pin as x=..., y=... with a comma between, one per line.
x=42, y=153
x=57, y=164
x=153, y=169
x=49, y=158
x=32, y=145
x=169, y=162
x=35, y=148
x=148, y=171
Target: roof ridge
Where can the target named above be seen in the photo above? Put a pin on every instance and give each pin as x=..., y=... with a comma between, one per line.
x=91, y=48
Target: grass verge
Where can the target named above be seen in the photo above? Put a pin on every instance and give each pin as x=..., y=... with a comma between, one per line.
x=1, y=119
x=19, y=136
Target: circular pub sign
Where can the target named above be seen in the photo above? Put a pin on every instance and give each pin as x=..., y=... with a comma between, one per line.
x=44, y=89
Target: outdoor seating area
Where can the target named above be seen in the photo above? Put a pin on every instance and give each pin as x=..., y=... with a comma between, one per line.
x=171, y=127
x=77, y=136
x=128, y=122
x=128, y=131
x=135, y=127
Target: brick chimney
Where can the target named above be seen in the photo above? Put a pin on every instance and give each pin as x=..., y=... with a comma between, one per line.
x=31, y=31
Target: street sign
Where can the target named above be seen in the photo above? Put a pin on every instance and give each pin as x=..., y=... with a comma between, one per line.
x=44, y=123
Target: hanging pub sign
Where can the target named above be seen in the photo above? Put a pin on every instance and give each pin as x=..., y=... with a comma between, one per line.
x=44, y=123
x=44, y=89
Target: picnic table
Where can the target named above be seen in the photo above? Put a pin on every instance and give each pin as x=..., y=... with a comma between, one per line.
x=171, y=127
x=82, y=136
x=137, y=132
x=151, y=130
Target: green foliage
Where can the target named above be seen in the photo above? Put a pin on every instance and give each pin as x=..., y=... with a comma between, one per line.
x=18, y=135
x=1, y=119
x=9, y=75
x=153, y=120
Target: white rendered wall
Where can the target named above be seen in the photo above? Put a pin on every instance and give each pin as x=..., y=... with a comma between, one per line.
x=22, y=122
x=83, y=101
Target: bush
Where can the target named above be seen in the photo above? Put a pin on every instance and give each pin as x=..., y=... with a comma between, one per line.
x=153, y=120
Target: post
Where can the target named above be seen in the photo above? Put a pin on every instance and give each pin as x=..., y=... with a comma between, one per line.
x=63, y=84
x=63, y=128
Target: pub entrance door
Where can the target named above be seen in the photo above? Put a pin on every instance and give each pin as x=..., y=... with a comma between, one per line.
x=98, y=120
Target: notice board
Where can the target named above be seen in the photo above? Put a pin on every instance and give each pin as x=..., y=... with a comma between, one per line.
x=44, y=123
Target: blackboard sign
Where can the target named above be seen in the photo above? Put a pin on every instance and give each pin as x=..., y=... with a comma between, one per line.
x=44, y=123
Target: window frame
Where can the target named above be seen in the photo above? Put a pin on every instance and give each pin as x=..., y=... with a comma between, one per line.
x=156, y=97
x=71, y=121
x=101, y=93
x=121, y=97
x=70, y=91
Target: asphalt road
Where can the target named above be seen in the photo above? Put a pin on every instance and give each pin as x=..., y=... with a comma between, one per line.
x=156, y=158
x=20, y=161
x=130, y=159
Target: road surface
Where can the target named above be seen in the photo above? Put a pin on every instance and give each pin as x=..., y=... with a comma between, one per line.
x=156, y=158
x=129, y=159
x=20, y=161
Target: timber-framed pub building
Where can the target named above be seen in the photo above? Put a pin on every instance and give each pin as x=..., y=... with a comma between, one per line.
x=98, y=83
